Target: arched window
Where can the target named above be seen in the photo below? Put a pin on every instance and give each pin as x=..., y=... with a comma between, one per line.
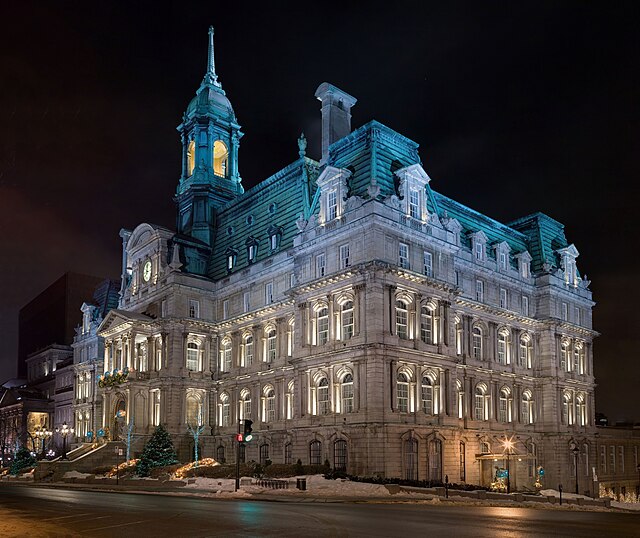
x=191, y=157
x=524, y=353
x=226, y=361
x=315, y=452
x=477, y=343
x=462, y=461
x=578, y=357
x=271, y=346
x=194, y=408
x=504, y=409
x=426, y=324
x=269, y=405
x=435, y=460
x=567, y=418
x=427, y=395
x=480, y=408
x=527, y=407
x=324, y=402
x=288, y=454
x=340, y=455
x=245, y=404
x=402, y=316
x=460, y=393
x=220, y=454
x=346, y=390
x=193, y=357
x=503, y=354
x=581, y=410
x=346, y=321
x=564, y=355
x=402, y=392
x=248, y=350
x=225, y=410
x=220, y=158
x=322, y=323
x=290, y=399
x=411, y=459
x=458, y=326
x=264, y=453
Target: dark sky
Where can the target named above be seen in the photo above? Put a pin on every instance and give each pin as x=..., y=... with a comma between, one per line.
x=517, y=106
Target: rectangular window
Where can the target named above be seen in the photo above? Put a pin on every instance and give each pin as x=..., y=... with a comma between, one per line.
x=332, y=205
x=603, y=459
x=503, y=298
x=612, y=459
x=525, y=305
x=194, y=309
x=155, y=410
x=565, y=312
x=163, y=308
x=246, y=408
x=403, y=397
x=344, y=256
x=225, y=309
x=577, y=316
x=479, y=250
x=462, y=463
x=403, y=256
x=524, y=269
x=621, y=459
x=268, y=293
x=246, y=301
x=458, y=281
x=292, y=280
x=320, y=265
x=479, y=291
x=503, y=261
x=428, y=264
x=414, y=204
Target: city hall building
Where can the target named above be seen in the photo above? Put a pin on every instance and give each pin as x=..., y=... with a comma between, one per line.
x=353, y=313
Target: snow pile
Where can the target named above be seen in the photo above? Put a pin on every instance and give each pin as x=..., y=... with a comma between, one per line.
x=75, y=474
x=565, y=495
x=626, y=506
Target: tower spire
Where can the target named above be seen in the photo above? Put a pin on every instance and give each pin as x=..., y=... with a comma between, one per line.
x=211, y=77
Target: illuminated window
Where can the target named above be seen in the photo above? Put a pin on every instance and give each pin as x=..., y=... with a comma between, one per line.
x=271, y=346
x=270, y=405
x=226, y=359
x=427, y=395
x=503, y=348
x=481, y=409
x=193, y=357
x=426, y=324
x=322, y=321
x=324, y=401
x=428, y=263
x=231, y=259
x=504, y=405
x=194, y=409
x=524, y=353
x=402, y=392
x=220, y=158
x=225, y=409
x=194, y=308
x=248, y=350
x=320, y=265
x=411, y=459
x=252, y=249
x=191, y=157
x=401, y=319
x=564, y=355
x=477, y=343
x=414, y=204
x=332, y=205
x=245, y=407
x=346, y=390
x=346, y=312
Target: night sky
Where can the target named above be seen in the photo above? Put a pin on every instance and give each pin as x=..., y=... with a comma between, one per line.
x=518, y=107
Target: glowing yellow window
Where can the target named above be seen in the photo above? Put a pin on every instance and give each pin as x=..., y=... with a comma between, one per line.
x=191, y=157
x=220, y=158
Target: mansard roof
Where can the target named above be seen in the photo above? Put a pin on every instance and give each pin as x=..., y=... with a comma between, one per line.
x=274, y=204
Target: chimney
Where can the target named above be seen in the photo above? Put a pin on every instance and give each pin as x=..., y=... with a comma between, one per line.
x=336, y=115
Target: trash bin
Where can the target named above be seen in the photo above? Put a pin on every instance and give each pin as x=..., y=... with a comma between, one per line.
x=301, y=484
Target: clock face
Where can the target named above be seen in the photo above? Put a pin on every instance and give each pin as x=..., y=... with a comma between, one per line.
x=146, y=271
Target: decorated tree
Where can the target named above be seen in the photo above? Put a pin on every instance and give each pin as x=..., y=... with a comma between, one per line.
x=23, y=460
x=158, y=452
x=195, y=432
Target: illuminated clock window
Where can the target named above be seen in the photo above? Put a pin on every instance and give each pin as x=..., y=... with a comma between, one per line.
x=220, y=158
x=146, y=271
x=191, y=157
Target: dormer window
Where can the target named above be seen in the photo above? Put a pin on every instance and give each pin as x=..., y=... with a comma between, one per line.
x=414, y=203
x=568, y=257
x=220, y=158
x=412, y=185
x=252, y=249
x=502, y=250
x=479, y=245
x=231, y=255
x=332, y=183
x=275, y=235
x=332, y=205
x=524, y=264
x=191, y=157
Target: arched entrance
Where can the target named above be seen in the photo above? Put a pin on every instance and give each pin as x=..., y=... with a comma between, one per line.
x=119, y=419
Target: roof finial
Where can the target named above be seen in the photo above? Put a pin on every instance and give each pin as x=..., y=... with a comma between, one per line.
x=211, y=77
x=302, y=146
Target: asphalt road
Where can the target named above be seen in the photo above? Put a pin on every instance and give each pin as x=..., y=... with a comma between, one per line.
x=33, y=512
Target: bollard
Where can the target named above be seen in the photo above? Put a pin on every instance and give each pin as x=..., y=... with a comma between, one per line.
x=446, y=486
x=560, y=490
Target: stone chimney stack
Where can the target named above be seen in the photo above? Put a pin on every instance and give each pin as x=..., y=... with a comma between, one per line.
x=336, y=115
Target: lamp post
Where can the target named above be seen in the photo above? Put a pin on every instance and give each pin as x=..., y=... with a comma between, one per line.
x=576, y=452
x=508, y=447
x=43, y=434
x=64, y=431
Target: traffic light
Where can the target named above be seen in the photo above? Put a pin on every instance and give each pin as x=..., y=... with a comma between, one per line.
x=247, y=430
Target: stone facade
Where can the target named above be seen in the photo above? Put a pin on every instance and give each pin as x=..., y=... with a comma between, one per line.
x=351, y=312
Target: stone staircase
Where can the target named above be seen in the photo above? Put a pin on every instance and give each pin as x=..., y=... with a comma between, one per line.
x=84, y=459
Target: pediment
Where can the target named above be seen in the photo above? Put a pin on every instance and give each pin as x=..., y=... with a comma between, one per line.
x=116, y=319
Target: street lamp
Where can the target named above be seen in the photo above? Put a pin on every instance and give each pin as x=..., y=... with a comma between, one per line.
x=576, y=452
x=43, y=434
x=64, y=432
x=508, y=447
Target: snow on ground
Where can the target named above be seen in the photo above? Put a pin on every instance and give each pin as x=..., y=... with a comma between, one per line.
x=75, y=474
x=626, y=506
x=565, y=494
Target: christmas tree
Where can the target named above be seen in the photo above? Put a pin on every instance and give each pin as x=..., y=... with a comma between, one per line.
x=158, y=452
x=23, y=460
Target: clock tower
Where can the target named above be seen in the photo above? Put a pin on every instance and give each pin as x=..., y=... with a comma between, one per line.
x=210, y=137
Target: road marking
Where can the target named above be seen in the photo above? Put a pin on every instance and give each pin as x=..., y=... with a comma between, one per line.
x=114, y=526
x=64, y=517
